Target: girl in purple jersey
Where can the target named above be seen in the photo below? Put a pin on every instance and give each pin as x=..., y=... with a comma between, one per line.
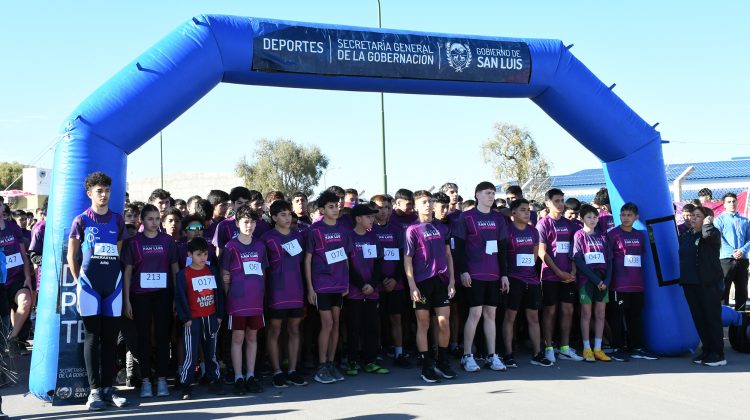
x=150, y=260
x=593, y=257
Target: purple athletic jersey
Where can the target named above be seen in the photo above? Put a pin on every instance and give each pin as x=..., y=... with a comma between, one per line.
x=11, y=243
x=37, y=236
x=225, y=232
x=606, y=221
x=627, y=255
x=284, y=288
x=329, y=246
x=211, y=226
x=425, y=243
x=246, y=265
x=76, y=230
x=404, y=220
x=391, y=238
x=482, y=233
x=557, y=235
x=151, y=259
x=521, y=260
x=365, y=250
x=595, y=251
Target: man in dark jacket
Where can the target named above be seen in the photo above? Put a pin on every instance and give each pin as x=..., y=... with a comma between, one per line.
x=701, y=278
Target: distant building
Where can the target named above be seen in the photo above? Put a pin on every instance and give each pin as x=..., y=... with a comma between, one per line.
x=183, y=185
x=720, y=177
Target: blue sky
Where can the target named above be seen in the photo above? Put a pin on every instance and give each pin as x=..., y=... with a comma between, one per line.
x=683, y=66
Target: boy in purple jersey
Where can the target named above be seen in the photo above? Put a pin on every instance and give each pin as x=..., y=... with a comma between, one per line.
x=459, y=311
x=427, y=262
x=160, y=199
x=220, y=201
x=285, y=291
x=525, y=287
x=327, y=274
x=365, y=276
x=16, y=286
x=299, y=207
x=558, y=275
x=150, y=260
x=243, y=266
x=394, y=298
x=572, y=208
x=593, y=258
x=36, y=246
x=624, y=313
x=403, y=209
x=513, y=193
x=601, y=203
x=227, y=229
x=96, y=236
x=481, y=242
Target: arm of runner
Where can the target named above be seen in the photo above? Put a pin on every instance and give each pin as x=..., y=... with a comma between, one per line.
x=74, y=245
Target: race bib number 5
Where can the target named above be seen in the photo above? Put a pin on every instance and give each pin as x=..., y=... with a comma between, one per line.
x=594, y=257
x=105, y=250
x=153, y=280
x=632, y=261
x=336, y=255
x=369, y=251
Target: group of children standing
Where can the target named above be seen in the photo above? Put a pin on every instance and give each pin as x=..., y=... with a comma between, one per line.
x=417, y=259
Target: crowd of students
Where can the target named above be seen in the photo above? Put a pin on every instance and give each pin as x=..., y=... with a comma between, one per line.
x=214, y=289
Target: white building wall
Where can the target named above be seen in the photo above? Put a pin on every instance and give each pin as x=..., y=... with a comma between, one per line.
x=183, y=185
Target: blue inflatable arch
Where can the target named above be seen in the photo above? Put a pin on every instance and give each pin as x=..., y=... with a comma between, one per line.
x=169, y=78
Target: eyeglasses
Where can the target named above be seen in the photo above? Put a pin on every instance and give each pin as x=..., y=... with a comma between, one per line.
x=194, y=227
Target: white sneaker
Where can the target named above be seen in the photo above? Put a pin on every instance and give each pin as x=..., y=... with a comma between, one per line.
x=146, y=391
x=162, y=390
x=469, y=364
x=496, y=363
x=569, y=354
x=549, y=353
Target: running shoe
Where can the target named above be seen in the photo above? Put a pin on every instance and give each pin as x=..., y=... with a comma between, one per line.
x=588, y=355
x=323, y=375
x=568, y=354
x=549, y=353
x=296, y=379
x=279, y=380
x=601, y=356
x=146, y=389
x=376, y=368
x=619, y=356
x=714, y=360
x=253, y=386
x=496, y=363
x=443, y=368
x=162, y=390
x=510, y=361
x=429, y=373
x=643, y=354
x=541, y=360
x=112, y=399
x=335, y=372
x=239, y=386
x=469, y=364
x=94, y=401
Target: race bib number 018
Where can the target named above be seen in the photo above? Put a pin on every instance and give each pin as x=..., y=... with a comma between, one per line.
x=13, y=260
x=336, y=255
x=105, y=250
x=594, y=257
x=252, y=267
x=153, y=280
x=390, y=254
x=632, y=261
x=525, y=260
x=562, y=247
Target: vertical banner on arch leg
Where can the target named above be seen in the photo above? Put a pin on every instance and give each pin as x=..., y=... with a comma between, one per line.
x=640, y=178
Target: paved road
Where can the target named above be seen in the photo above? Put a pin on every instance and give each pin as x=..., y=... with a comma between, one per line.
x=668, y=389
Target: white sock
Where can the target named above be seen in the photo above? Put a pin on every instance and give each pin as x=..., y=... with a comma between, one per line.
x=249, y=375
x=598, y=343
x=397, y=351
x=587, y=344
x=238, y=376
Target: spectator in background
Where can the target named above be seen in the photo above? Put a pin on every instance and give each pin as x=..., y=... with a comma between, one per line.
x=701, y=279
x=687, y=214
x=513, y=193
x=735, y=245
x=351, y=197
x=705, y=195
x=192, y=204
x=181, y=205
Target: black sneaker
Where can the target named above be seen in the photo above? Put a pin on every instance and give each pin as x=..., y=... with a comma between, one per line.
x=295, y=378
x=133, y=381
x=510, y=361
x=443, y=368
x=643, y=354
x=540, y=360
x=699, y=358
x=229, y=377
x=457, y=352
x=216, y=388
x=187, y=392
x=239, y=387
x=402, y=361
x=713, y=360
x=619, y=356
x=428, y=373
x=253, y=386
x=279, y=380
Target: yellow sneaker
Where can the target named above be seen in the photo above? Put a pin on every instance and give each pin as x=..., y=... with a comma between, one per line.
x=600, y=355
x=588, y=355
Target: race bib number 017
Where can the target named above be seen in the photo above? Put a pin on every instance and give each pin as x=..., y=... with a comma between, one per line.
x=336, y=255
x=153, y=280
x=204, y=282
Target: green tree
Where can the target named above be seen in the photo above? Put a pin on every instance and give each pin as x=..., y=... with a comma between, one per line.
x=514, y=156
x=283, y=165
x=10, y=175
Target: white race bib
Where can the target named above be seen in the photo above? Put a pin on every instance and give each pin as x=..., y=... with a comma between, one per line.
x=632, y=260
x=13, y=260
x=524, y=260
x=292, y=247
x=562, y=247
x=390, y=254
x=204, y=282
x=105, y=250
x=490, y=247
x=594, y=257
x=153, y=280
x=252, y=267
x=369, y=251
x=336, y=255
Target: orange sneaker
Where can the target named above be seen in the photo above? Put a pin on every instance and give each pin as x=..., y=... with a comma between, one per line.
x=601, y=356
x=588, y=355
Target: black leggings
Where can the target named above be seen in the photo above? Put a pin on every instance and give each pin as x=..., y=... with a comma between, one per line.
x=154, y=308
x=362, y=323
x=99, y=348
x=625, y=318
